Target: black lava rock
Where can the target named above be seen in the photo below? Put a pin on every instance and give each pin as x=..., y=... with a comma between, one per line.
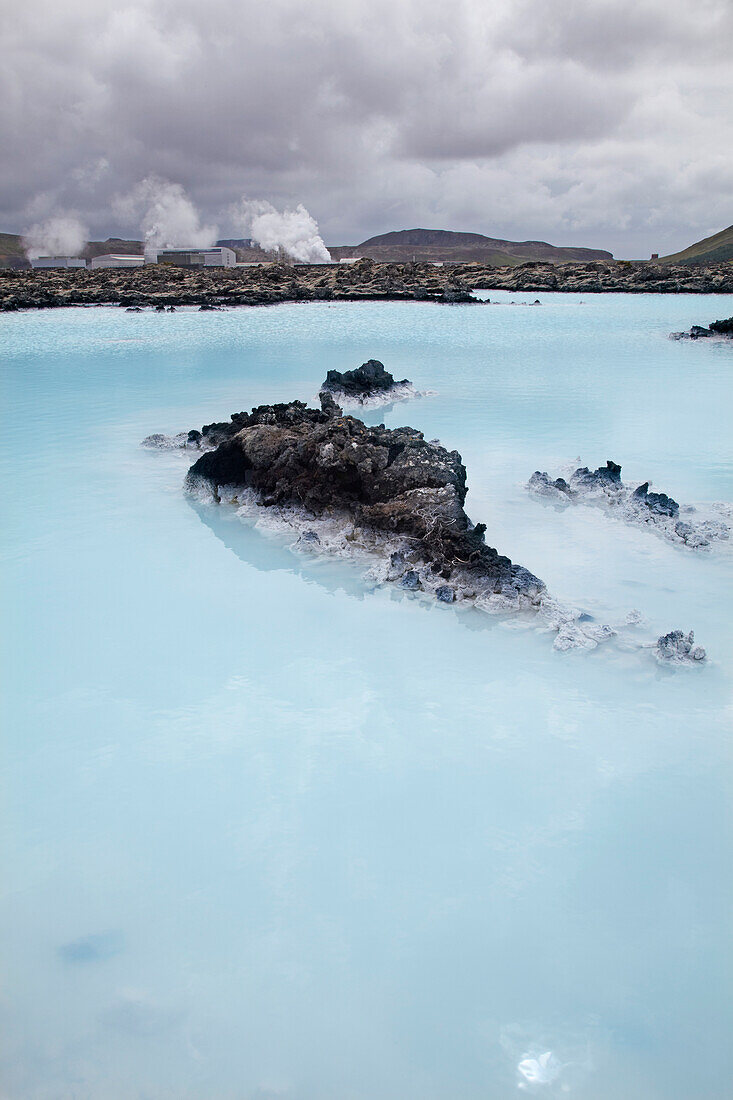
x=392, y=480
x=368, y=379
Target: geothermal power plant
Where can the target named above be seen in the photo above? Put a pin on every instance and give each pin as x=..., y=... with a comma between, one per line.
x=180, y=257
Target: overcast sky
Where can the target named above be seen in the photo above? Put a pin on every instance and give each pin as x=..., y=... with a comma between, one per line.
x=606, y=123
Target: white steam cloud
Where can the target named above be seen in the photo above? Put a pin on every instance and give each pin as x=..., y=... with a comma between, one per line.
x=59, y=235
x=168, y=217
x=293, y=232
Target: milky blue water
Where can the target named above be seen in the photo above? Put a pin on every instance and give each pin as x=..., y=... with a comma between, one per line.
x=268, y=833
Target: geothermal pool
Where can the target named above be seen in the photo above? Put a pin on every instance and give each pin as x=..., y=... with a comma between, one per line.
x=272, y=834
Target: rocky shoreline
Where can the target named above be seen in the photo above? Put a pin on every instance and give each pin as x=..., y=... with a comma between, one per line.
x=158, y=286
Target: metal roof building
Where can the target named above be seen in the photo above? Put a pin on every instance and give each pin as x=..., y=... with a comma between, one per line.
x=196, y=257
x=111, y=259
x=58, y=261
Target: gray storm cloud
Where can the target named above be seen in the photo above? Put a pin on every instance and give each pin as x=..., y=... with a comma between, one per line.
x=598, y=122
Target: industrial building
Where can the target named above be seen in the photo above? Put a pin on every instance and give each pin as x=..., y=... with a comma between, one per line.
x=112, y=260
x=195, y=257
x=58, y=261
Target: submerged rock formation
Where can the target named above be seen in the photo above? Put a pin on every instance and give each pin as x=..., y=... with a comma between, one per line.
x=658, y=503
x=715, y=328
x=161, y=442
x=370, y=384
x=678, y=646
x=637, y=506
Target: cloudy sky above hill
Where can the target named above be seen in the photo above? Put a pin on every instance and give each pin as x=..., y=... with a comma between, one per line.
x=607, y=123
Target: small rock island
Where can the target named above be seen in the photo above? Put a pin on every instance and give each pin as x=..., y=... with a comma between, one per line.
x=368, y=385
x=390, y=481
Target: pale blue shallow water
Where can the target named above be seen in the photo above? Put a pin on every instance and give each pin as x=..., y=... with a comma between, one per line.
x=270, y=834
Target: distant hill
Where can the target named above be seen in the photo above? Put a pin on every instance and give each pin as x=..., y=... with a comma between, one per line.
x=12, y=253
x=246, y=250
x=713, y=249
x=442, y=244
x=114, y=246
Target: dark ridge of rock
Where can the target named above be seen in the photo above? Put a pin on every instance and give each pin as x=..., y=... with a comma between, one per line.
x=212, y=435
x=368, y=379
x=656, y=502
x=389, y=480
x=678, y=646
x=698, y=332
x=162, y=284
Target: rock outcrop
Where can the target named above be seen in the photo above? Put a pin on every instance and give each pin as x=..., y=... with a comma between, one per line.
x=391, y=481
x=636, y=506
x=368, y=385
x=715, y=328
x=388, y=495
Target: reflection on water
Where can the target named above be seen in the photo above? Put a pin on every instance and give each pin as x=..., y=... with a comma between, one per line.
x=274, y=551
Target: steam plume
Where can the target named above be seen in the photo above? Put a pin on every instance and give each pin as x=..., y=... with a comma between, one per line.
x=169, y=218
x=293, y=232
x=59, y=235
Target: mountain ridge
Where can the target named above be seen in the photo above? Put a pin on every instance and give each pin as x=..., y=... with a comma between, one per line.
x=436, y=245
x=453, y=246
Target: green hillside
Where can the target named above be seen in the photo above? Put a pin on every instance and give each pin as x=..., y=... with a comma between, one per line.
x=711, y=250
x=12, y=253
